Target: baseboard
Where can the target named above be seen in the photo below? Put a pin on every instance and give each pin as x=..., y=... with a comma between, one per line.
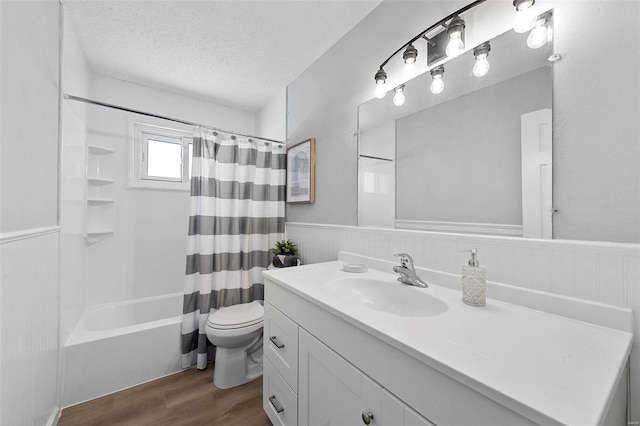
x=54, y=417
x=132, y=386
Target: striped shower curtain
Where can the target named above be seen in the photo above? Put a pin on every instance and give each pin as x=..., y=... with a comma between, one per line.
x=236, y=216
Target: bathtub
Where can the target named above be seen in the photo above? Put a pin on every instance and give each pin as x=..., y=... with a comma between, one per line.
x=119, y=345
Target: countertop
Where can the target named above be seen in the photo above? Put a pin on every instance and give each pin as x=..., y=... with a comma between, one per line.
x=562, y=368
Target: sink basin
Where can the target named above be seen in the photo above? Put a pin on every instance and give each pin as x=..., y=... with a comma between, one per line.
x=388, y=296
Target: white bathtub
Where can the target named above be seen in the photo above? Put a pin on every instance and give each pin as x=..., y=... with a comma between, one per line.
x=119, y=345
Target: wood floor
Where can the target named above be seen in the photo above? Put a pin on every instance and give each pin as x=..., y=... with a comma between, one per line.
x=183, y=399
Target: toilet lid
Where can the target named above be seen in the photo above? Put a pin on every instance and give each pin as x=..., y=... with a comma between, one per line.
x=237, y=316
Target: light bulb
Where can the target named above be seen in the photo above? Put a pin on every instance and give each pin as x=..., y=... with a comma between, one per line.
x=454, y=47
x=524, y=20
x=481, y=67
x=398, y=98
x=409, y=70
x=437, y=85
x=538, y=36
x=455, y=31
x=380, y=91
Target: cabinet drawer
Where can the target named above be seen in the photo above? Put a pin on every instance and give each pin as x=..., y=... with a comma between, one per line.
x=281, y=344
x=278, y=400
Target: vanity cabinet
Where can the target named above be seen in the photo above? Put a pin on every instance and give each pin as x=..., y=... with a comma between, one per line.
x=333, y=358
x=307, y=383
x=330, y=371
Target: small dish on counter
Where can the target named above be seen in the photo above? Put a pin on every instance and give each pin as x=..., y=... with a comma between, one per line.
x=355, y=267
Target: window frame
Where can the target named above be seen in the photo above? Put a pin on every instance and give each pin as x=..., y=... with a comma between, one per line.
x=141, y=133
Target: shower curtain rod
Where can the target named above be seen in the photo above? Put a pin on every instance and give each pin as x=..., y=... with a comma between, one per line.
x=189, y=123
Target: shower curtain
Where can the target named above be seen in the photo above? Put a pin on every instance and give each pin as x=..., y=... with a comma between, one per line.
x=236, y=216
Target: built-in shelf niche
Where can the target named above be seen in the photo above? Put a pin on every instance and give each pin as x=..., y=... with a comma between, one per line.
x=99, y=201
x=96, y=181
x=99, y=195
x=100, y=150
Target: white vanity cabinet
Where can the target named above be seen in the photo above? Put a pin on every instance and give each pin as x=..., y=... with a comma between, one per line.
x=330, y=367
x=334, y=392
x=307, y=383
x=329, y=360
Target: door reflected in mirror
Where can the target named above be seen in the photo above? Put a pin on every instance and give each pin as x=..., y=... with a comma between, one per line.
x=475, y=158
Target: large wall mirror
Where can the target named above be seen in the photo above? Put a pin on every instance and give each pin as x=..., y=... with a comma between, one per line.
x=475, y=158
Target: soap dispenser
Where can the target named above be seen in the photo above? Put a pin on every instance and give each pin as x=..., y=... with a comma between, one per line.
x=474, y=282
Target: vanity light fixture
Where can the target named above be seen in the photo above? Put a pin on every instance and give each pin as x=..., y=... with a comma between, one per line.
x=455, y=32
x=381, y=79
x=437, y=84
x=525, y=17
x=539, y=35
x=398, y=98
x=481, y=67
x=455, y=27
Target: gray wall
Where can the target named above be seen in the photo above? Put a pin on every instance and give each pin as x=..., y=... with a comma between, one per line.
x=322, y=103
x=596, y=130
x=459, y=161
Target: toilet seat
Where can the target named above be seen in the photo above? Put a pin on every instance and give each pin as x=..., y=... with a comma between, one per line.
x=237, y=316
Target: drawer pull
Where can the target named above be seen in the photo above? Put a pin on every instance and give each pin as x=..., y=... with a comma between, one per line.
x=275, y=404
x=275, y=341
x=367, y=417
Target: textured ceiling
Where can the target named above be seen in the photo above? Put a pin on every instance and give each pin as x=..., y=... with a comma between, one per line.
x=235, y=53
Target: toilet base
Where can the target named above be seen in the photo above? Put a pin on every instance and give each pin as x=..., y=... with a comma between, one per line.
x=236, y=366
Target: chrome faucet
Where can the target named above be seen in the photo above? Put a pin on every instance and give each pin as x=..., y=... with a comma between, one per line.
x=407, y=271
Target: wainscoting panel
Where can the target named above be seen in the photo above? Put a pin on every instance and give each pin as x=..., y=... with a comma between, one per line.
x=29, y=345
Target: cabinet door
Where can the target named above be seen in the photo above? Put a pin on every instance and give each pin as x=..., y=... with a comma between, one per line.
x=329, y=388
x=331, y=391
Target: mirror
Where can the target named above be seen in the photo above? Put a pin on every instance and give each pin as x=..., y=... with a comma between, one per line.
x=475, y=158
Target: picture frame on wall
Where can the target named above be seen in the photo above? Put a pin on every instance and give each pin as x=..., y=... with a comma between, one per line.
x=301, y=159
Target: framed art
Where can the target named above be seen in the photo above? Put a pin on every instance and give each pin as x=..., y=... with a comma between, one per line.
x=301, y=159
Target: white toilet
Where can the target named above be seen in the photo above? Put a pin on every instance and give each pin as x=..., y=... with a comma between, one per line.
x=237, y=333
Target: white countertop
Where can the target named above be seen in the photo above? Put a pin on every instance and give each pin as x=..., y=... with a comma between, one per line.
x=562, y=368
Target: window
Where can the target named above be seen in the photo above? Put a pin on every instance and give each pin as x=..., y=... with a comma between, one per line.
x=160, y=158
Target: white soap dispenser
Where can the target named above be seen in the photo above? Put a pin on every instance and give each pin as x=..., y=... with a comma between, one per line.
x=474, y=282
